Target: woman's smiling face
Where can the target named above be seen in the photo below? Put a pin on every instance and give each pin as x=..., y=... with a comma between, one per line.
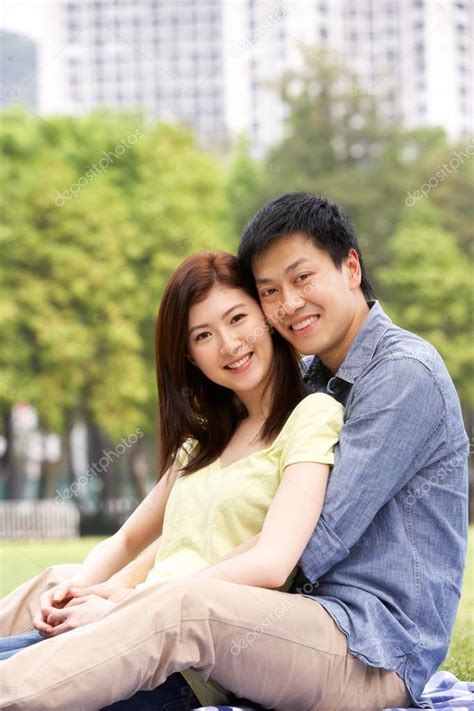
x=229, y=340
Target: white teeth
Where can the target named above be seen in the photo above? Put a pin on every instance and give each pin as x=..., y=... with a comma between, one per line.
x=240, y=362
x=304, y=324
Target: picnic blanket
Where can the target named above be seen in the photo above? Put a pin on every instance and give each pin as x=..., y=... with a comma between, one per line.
x=443, y=692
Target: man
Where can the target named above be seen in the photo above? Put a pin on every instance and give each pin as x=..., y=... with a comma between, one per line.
x=388, y=553
x=382, y=572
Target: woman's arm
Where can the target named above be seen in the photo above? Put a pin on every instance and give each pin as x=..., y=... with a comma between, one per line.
x=137, y=570
x=288, y=526
x=110, y=556
x=127, y=578
x=141, y=528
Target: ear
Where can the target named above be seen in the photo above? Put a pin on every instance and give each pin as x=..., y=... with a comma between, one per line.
x=353, y=269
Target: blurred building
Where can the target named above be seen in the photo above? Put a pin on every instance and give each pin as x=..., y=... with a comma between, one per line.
x=18, y=67
x=211, y=63
x=416, y=57
x=163, y=56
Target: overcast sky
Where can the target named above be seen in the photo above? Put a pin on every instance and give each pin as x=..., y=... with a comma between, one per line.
x=22, y=16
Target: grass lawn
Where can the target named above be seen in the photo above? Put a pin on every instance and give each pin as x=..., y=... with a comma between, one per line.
x=20, y=561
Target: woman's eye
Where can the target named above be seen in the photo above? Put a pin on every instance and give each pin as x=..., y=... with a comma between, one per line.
x=201, y=336
x=238, y=317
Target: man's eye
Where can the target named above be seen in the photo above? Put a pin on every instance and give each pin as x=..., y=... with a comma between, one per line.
x=237, y=317
x=268, y=292
x=302, y=277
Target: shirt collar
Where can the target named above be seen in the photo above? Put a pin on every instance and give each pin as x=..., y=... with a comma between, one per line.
x=362, y=349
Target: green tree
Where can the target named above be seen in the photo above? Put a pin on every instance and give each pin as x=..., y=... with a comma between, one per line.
x=428, y=289
x=241, y=191
x=86, y=254
x=339, y=142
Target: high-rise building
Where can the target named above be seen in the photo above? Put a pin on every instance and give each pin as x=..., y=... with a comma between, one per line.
x=213, y=64
x=163, y=57
x=415, y=56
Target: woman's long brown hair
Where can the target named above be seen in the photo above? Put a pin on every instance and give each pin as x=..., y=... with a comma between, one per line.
x=191, y=405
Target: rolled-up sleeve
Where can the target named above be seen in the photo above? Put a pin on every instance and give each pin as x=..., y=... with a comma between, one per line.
x=395, y=411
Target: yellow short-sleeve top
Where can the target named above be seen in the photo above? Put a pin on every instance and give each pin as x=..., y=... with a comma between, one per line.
x=215, y=509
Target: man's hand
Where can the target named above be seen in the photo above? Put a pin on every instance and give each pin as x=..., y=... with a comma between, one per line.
x=78, y=612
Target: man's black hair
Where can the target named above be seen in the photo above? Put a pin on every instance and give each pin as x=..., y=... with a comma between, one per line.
x=315, y=217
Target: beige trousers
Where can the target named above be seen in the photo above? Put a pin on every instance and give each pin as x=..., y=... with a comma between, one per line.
x=281, y=650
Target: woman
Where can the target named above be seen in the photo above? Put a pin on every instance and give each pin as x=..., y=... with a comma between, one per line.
x=241, y=450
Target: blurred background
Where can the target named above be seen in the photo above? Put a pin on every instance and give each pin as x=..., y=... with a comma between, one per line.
x=136, y=132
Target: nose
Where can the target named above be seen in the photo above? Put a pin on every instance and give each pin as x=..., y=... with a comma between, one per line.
x=292, y=300
x=230, y=344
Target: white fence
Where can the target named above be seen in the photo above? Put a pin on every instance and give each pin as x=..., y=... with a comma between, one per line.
x=38, y=519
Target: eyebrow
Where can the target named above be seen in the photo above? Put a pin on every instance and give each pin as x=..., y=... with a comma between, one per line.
x=205, y=325
x=288, y=269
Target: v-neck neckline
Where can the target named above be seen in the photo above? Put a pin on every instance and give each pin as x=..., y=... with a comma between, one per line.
x=242, y=459
x=217, y=461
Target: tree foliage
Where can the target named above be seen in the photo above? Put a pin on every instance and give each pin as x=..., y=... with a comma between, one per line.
x=83, y=272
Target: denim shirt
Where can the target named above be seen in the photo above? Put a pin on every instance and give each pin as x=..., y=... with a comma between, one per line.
x=386, y=559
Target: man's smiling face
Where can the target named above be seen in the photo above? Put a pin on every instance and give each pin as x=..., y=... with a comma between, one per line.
x=311, y=302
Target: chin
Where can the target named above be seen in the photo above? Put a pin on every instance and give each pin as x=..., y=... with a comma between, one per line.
x=305, y=349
